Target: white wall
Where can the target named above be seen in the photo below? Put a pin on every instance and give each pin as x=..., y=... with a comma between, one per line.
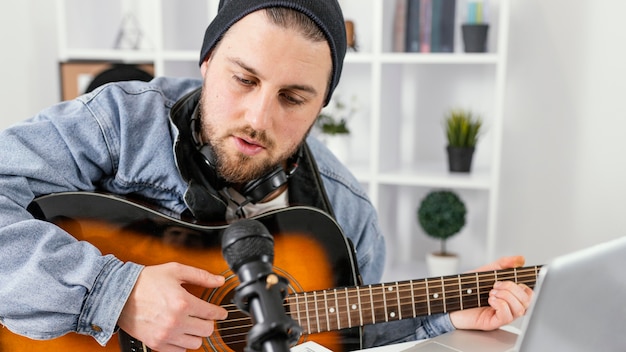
x=28, y=69
x=564, y=149
x=564, y=154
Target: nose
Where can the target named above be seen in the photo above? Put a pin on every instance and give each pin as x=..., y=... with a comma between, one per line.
x=260, y=110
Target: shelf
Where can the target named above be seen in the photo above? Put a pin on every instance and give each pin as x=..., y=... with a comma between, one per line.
x=108, y=55
x=442, y=179
x=452, y=58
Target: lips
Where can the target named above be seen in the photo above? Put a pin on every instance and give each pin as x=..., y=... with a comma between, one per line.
x=247, y=146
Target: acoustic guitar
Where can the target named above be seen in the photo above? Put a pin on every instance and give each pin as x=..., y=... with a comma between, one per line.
x=311, y=251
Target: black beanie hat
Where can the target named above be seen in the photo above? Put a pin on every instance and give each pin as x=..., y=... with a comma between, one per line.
x=325, y=13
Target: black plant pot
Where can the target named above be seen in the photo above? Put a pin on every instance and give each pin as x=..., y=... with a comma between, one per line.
x=475, y=37
x=460, y=158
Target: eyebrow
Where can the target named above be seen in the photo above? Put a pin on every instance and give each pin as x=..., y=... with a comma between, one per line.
x=301, y=87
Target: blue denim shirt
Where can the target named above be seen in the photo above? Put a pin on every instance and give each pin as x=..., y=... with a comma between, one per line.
x=119, y=139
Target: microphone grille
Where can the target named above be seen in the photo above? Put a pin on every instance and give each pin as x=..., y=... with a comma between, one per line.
x=247, y=240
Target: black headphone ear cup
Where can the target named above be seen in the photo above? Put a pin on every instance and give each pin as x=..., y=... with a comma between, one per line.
x=257, y=190
x=207, y=163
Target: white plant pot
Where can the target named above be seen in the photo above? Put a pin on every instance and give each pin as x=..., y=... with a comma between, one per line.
x=440, y=265
x=339, y=144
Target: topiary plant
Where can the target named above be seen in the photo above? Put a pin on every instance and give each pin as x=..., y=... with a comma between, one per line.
x=442, y=214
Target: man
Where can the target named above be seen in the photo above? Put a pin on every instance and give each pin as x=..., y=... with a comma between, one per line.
x=267, y=72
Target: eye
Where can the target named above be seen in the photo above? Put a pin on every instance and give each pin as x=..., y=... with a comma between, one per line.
x=244, y=81
x=292, y=99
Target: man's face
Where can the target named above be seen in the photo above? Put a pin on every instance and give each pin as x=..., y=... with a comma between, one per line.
x=263, y=89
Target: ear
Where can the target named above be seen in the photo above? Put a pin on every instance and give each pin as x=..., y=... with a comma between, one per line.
x=204, y=66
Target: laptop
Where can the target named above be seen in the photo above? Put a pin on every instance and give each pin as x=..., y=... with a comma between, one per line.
x=579, y=305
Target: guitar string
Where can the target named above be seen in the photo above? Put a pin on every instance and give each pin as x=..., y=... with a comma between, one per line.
x=401, y=288
x=414, y=284
x=438, y=301
x=230, y=335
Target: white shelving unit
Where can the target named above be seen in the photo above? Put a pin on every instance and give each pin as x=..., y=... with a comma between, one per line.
x=397, y=144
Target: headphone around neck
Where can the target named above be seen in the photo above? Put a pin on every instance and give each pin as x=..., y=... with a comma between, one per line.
x=253, y=191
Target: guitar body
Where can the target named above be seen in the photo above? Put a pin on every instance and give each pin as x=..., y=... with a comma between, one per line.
x=310, y=251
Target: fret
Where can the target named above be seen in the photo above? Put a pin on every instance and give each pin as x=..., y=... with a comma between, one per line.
x=460, y=292
x=384, y=300
x=427, y=296
x=443, y=293
x=380, y=308
x=487, y=280
x=367, y=305
x=340, y=302
x=317, y=315
x=452, y=293
x=413, y=299
x=435, y=296
x=308, y=314
x=358, y=295
x=421, y=297
x=390, y=301
x=337, y=310
x=348, y=307
x=406, y=299
x=468, y=290
x=478, y=289
x=399, y=306
x=326, y=311
x=536, y=275
x=294, y=308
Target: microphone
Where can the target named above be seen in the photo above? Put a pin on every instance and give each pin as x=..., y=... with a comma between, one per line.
x=248, y=248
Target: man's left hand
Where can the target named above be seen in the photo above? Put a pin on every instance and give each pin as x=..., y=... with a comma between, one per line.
x=507, y=301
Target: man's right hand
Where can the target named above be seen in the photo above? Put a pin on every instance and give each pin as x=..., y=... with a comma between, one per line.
x=166, y=317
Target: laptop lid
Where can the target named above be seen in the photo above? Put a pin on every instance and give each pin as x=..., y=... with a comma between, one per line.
x=580, y=302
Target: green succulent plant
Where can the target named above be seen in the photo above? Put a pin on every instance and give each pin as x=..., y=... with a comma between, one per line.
x=441, y=214
x=462, y=128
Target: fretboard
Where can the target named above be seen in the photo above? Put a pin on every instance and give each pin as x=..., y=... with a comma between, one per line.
x=340, y=308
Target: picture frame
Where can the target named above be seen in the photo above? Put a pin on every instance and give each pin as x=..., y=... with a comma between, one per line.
x=77, y=76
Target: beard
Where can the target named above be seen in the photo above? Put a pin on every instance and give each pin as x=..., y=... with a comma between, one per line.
x=235, y=167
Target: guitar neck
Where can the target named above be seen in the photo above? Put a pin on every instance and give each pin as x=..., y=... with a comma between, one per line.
x=336, y=309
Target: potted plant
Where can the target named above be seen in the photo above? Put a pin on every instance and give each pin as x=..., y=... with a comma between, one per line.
x=333, y=125
x=463, y=130
x=474, y=30
x=441, y=215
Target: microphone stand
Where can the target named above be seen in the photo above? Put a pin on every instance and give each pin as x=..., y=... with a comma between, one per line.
x=273, y=330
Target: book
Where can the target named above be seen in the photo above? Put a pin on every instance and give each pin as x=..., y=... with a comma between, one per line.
x=429, y=26
x=412, y=38
x=445, y=25
x=425, y=25
x=399, y=26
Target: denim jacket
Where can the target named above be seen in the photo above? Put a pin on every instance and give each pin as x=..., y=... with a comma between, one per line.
x=119, y=139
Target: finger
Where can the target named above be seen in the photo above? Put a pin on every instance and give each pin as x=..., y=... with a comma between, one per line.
x=504, y=263
x=176, y=348
x=502, y=310
x=199, y=327
x=190, y=275
x=187, y=342
x=201, y=309
x=513, y=296
x=521, y=292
